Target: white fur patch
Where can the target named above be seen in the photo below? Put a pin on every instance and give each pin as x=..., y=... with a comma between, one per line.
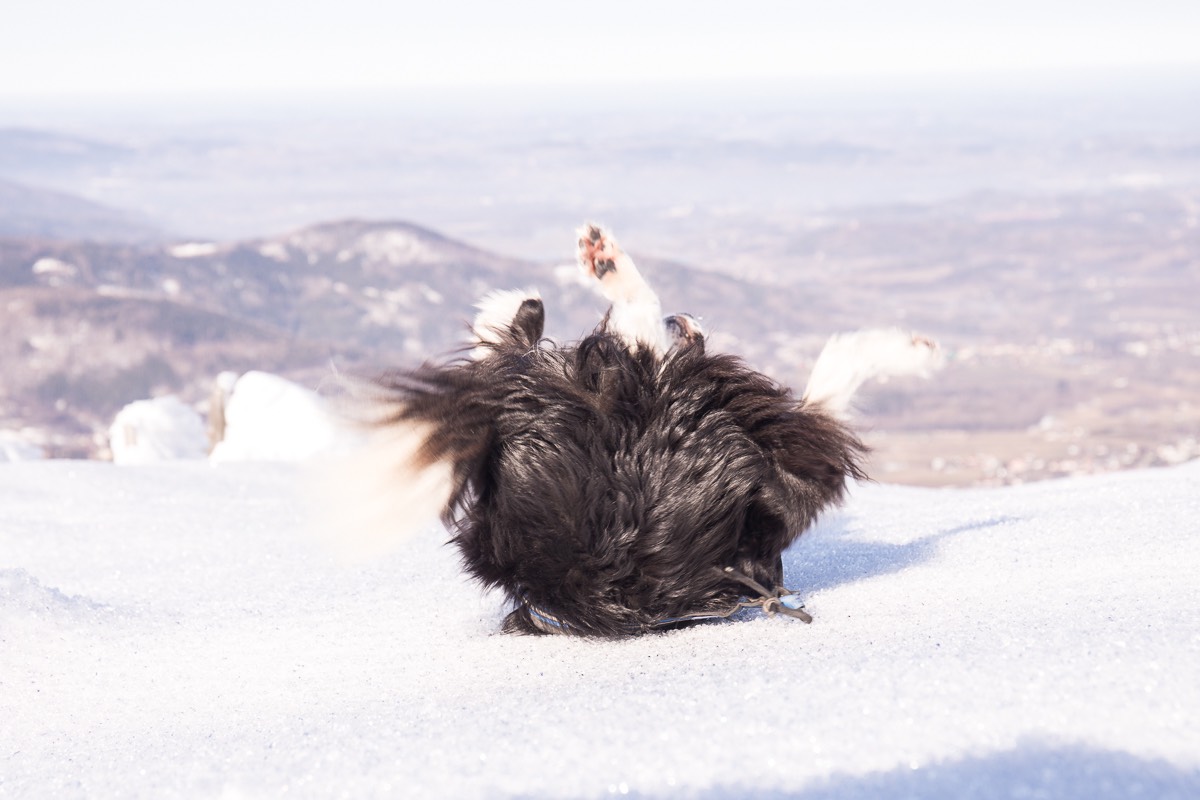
x=850, y=359
x=496, y=312
x=640, y=322
x=375, y=496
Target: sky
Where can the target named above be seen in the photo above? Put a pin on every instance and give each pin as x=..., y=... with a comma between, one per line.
x=147, y=46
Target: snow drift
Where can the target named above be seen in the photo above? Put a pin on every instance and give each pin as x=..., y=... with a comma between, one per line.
x=164, y=631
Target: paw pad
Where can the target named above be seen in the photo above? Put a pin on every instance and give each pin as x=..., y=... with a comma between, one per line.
x=598, y=251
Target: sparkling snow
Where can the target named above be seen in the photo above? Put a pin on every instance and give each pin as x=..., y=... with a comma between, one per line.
x=166, y=632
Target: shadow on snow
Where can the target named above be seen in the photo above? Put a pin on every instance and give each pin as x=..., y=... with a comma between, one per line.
x=831, y=556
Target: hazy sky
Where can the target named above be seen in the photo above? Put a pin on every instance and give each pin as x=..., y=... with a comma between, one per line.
x=151, y=45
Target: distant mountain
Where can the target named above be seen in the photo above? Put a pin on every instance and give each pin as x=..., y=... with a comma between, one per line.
x=36, y=212
x=1070, y=323
x=91, y=326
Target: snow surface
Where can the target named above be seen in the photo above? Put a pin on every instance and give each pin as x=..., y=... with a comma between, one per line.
x=165, y=632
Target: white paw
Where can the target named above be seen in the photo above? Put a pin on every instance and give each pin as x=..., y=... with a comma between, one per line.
x=635, y=315
x=598, y=251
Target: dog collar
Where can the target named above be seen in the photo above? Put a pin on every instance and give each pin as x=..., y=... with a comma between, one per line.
x=784, y=602
x=546, y=622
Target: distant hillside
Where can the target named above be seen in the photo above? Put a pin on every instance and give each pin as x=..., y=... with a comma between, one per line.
x=36, y=212
x=1069, y=323
x=91, y=326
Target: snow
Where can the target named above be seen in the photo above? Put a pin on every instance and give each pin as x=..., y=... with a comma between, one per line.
x=269, y=418
x=276, y=251
x=395, y=247
x=162, y=429
x=193, y=249
x=165, y=631
x=53, y=266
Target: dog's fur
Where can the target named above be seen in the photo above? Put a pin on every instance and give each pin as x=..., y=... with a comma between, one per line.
x=606, y=484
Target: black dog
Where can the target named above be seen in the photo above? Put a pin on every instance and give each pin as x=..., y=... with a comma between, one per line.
x=631, y=481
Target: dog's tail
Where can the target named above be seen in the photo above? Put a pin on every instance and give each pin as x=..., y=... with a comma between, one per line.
x=850, y=359
x=418, y=435
x=383, y=484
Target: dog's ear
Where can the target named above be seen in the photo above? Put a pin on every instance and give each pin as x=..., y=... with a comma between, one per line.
x=507, y=318
x=814, y=454
x=528, y=322
x=808, y=452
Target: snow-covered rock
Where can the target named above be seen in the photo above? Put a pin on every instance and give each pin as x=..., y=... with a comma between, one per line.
x=269, y=418
x=162, y=429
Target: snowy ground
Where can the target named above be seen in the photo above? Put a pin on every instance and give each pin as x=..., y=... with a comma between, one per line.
x=164, y=632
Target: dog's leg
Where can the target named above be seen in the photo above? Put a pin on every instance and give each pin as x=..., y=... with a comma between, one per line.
x=507, y=318
x=636, y=316
x=850, y=359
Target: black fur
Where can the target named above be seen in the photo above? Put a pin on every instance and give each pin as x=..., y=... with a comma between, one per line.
x=604, y=486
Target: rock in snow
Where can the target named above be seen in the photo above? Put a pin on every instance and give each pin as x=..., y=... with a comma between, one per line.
x=167, y=631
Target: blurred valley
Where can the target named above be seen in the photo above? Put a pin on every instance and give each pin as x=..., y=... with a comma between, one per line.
x=1049, y=239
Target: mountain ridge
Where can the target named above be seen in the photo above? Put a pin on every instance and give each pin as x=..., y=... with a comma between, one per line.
x=1052, y=370
x=87, y=320
x=33, y=211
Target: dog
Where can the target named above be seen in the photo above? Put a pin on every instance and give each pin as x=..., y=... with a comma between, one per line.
x=626, y=483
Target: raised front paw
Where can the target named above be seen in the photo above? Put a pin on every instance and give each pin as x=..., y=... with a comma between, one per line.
x=598, y=251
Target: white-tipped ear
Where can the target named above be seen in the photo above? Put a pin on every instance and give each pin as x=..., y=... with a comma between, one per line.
x=375, y=496
x=850, y=359
x=496, y=313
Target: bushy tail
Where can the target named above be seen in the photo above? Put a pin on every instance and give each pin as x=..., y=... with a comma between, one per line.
x=850, y=359
x=417, y=436
x=387, y=481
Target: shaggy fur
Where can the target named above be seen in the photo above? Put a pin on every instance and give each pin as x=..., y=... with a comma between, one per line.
x=608, y=483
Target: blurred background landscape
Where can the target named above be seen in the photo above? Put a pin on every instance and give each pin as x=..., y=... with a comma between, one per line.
x=1040, y=219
